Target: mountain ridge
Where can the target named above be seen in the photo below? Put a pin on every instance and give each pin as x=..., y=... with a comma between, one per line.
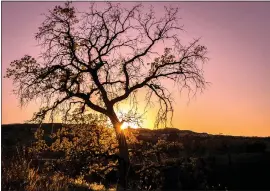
x=161, y=130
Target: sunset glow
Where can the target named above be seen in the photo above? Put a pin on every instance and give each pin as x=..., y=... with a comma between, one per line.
x=131, y=125
x=135, y=95
x=236, y=102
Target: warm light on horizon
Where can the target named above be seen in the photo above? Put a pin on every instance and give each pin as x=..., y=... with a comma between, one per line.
x=126, y=125
x=236, y=35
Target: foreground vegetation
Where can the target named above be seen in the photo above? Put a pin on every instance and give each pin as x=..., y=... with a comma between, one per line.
x=84, y=157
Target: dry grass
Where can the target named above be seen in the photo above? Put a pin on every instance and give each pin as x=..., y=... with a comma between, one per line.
x=18, y=173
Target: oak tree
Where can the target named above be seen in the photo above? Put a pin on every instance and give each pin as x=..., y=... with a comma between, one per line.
x=101, y=57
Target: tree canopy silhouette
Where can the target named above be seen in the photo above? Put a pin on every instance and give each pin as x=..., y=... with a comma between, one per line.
x=99, y=58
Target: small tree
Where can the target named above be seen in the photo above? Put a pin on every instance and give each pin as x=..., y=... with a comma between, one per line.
x=98, y=59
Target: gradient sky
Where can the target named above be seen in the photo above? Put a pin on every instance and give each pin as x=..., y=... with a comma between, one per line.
x=237, y=35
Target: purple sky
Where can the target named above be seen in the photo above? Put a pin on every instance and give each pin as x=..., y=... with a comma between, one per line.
x=237, y=35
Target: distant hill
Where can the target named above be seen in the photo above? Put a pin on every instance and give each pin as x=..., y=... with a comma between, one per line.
x=23, y=134
x=167, y=131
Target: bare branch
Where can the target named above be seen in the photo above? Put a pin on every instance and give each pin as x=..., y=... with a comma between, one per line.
x=99, y=58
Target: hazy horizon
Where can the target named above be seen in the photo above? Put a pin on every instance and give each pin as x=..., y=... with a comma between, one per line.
x=236, y=35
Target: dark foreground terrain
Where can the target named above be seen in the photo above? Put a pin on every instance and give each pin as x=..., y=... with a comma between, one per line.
x=163, y=159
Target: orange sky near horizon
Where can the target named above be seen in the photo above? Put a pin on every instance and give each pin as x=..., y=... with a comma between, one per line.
x=237, y=102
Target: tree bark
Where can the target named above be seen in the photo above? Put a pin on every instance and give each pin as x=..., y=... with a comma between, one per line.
x=123, y=159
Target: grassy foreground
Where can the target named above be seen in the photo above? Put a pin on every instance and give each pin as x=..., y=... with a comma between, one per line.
x=57, y=157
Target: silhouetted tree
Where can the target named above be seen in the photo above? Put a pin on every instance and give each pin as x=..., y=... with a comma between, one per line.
x=98, y=59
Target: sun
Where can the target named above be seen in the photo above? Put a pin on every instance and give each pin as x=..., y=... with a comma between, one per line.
x=129, y=124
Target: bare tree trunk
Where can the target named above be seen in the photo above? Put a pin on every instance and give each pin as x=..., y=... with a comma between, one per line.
x=123, y=159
